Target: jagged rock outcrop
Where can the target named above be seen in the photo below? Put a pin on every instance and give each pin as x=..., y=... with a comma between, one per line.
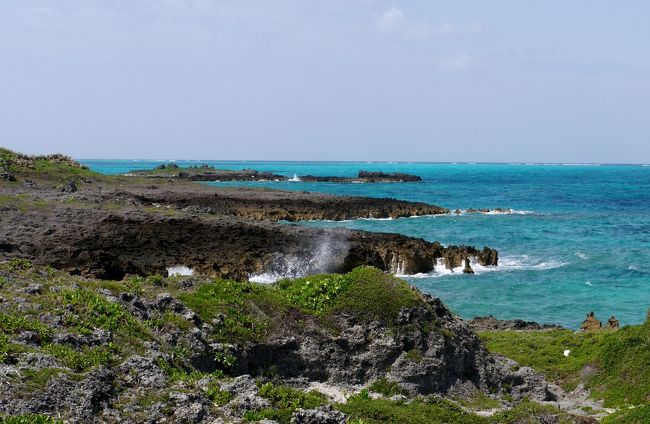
x=108, y=244
x=612, y=323
x=426, y=350
x=205, y=173
x=591, y=323
x=490, y=323
x=364, y=177
x=321, y=415
x=210, y=173
x=423, y=348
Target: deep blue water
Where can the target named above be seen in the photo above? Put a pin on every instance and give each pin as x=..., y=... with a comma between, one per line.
x=578, y=240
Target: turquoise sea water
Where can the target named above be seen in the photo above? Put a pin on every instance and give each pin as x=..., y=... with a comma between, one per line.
x=578, y=239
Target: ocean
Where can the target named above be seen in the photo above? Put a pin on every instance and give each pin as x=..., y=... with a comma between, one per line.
x=577, y=238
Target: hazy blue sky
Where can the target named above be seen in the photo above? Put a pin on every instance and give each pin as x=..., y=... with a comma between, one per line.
x=427, y=80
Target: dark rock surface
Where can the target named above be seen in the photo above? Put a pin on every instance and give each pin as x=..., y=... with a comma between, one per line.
x=423, y=348
x=426, y=350
x=206, y=173
x=106, y=244
x=365, y=177
x=210, y=173
x=109, y=227
x=321, y=415
x=490, y=323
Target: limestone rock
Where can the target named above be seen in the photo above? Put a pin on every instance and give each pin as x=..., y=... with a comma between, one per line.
x=613, y=323
x=468, y=268
x=591, y=323
x=321, y=415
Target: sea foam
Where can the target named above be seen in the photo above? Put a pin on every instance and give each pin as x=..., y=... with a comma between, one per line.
x=506, y=264
x=180, y=270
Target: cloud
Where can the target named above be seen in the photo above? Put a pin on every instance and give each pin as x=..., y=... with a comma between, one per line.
x=418, y=31
x=390, y=20
x=424, y=30
x=456, y=62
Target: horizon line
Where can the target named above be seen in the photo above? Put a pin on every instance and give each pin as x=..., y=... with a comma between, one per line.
x=527, y=163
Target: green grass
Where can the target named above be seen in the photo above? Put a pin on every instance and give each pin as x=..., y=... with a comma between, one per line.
x=543, y=351
x=233, y=301
x=37, y=379
x=30, y=419
x=284, y=401
x=615, y=365
x=366, y=292
x=382, y=411
x=374, y=295
x=5, y=348
x=17, y=264
x=528, y=412
x=93, y=311
x=218, y=396
x=247, y=311
x=375, y=411
x=82, y=359
x=414, y=355
x=14, y=324
x=638, y=415
x=479, y=401
x=313, y=294
x=387, y=388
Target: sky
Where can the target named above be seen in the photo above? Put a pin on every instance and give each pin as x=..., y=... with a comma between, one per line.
x=411, y=80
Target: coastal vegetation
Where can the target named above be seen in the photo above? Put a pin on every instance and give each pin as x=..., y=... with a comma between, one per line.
x=98, y=329
x=612, y=364
x=92, y=325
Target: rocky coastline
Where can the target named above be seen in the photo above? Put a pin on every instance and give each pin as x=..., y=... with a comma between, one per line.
x=210, y=173
x=163, y=352
x=94, y=326
x=113, y=226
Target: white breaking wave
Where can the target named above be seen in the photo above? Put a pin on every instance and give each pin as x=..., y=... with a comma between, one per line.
x=180, y=270
x=506, y=264
x=582, y=255
x=295, y=178
x=588, y=283
x=511, y=212
x=580, y=164
x=498, y=212
x=324, y=254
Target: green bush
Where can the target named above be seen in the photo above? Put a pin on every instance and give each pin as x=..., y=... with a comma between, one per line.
x=218, y=396
x=387, y=388
x=93, y=311
x=17, y=264
x=313, y=294
x=155, y=280
x=374, y=295
x=13, y=324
